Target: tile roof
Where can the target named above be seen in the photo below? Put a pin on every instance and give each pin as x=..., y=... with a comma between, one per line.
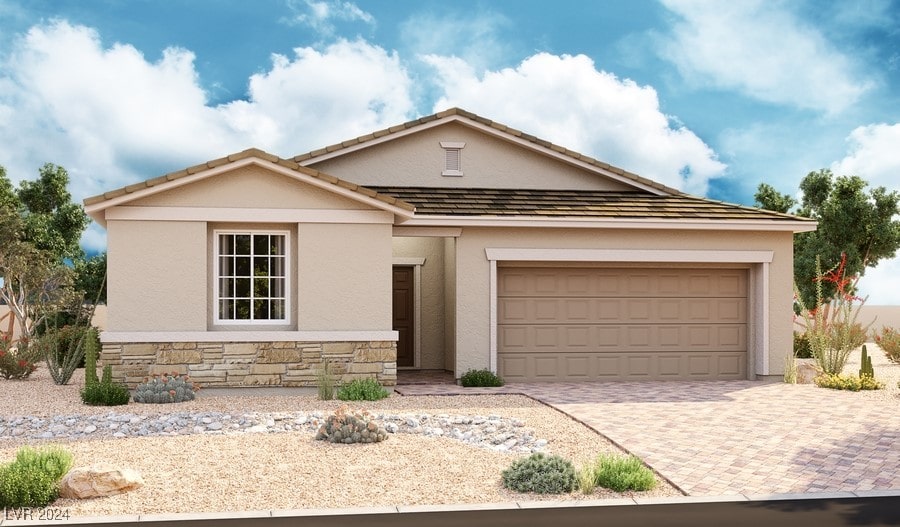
x=249, y=153
x=572, y=203
x=303, y=158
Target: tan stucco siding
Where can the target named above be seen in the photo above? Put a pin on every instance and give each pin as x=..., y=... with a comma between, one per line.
x=250, y=187
x=487, y=162
x=344, y=277
x=157, y=276
x=473, y=301
x=450, y=304
x=431, y=309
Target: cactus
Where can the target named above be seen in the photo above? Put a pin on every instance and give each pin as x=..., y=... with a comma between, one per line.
x=90, y=358
x=166, y=389
x=866, y=368
x=346, y=426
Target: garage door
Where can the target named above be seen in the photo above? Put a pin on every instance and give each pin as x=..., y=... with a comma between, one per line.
x=621, y=324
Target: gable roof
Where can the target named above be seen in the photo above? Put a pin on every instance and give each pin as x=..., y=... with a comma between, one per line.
x=95, y=205
x=497, y=129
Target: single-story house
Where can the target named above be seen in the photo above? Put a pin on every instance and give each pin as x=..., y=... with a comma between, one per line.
x=449, y=242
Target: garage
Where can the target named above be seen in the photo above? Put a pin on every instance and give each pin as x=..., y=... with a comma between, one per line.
x=621, y=323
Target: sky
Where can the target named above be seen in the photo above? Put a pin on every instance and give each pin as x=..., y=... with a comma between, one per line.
x=710, y=97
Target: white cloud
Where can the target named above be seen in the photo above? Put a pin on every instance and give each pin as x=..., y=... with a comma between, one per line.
x=320, y=15
x=762, y=50
x=873, y=155
x=473, y=37
x=112, y=118
x=566, y=100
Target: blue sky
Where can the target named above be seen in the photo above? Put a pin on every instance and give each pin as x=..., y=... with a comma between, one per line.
x=711, y=97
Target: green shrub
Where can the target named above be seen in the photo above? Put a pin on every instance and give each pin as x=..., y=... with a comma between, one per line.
x=346, y=426
x=32, y=480
x=888, y=339
x=801, y=346
x=848, y=382
x=622, y=473
x=161, y=389
x=585, y=479
x=540, y=473
x=480, y=378
x=367, y=389
x=325, y=381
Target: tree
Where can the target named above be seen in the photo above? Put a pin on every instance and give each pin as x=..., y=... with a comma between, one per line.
x=40, y=229
x=853, y=220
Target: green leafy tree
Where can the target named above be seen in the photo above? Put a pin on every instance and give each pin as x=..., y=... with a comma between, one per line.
x=853, y=220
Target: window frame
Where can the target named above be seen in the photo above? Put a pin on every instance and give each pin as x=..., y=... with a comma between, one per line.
x=217, y=276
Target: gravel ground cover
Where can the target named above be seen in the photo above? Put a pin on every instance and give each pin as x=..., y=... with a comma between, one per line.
x=218, y=471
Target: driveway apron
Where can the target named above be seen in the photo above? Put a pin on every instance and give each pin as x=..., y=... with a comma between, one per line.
x=738, y=437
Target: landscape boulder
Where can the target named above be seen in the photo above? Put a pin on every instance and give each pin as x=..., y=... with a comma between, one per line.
x=101, y=479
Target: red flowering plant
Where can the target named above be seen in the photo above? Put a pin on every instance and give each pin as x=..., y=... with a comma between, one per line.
x=16, y=360
x=831, y=326
x=888, y=339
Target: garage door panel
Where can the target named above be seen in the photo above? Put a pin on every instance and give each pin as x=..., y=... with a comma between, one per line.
x=655, y=310
x=615, y=282
x=623, y=338
x=622, y=366
x=626, y=324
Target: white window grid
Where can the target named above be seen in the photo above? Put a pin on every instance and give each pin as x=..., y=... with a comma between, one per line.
x=255, y=284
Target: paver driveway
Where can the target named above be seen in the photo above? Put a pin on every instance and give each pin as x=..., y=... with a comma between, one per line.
x=736, y=437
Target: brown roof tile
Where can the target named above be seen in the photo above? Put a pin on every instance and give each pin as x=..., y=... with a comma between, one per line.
x=572, y=203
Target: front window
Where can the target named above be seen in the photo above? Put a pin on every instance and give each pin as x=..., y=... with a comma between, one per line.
x=251, y=277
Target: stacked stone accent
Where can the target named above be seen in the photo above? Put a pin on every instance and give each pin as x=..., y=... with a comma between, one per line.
x=220, y=364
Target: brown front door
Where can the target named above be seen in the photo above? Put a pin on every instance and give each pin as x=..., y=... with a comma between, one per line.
x=404, y=315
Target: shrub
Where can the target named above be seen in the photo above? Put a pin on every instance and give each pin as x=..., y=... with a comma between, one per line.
x=105, y=392
x=848, y=382
x=622, y=473
x=325, y=381
x=362, y=390
x=480, y=378
x=346, y=426
x=16, y=362
x=540, y=473
x=585, y=479
x=790, y=369
x=801, y=346
x=32, y=480
x=161, y=389
x=888, y=339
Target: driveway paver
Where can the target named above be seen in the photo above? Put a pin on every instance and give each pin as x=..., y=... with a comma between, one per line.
x=735, y=437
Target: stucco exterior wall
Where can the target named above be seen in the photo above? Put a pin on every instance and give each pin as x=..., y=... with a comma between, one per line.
x=487, y=162
x=450, y=304
x=431, y=312
x=344, y=277
x=249, y=187
x=472, y=311
x=157, y=276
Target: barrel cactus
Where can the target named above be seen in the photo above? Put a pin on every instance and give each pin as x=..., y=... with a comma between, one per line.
x=161, y=389
x=347, y=426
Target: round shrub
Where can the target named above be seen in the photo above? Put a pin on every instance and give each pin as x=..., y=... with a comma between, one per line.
x=105, y=394
x=362, y=390
x=480, y=378
x=622, y=473
x=540, y=473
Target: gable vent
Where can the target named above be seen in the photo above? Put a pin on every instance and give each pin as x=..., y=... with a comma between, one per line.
x=452, y=158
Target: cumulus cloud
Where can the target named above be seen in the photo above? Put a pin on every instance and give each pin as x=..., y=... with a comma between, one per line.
x=566, y=100
x=874, y=156
x=111, y=117
x=762, y=50
x=321, y=15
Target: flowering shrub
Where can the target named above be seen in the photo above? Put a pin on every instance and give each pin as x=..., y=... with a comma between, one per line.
x=830, y=326
x=848, y=382
x=16, y=362
x=889, y=341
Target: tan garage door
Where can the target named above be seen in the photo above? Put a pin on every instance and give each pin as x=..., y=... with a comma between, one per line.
x=621, y=324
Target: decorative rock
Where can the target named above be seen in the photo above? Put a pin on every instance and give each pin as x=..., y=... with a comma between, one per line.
x=807, y=371
x=99, y=480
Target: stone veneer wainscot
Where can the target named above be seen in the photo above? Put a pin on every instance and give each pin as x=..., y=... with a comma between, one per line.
x=220, y=364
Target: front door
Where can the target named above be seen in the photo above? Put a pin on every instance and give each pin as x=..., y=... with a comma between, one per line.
x=404, y=315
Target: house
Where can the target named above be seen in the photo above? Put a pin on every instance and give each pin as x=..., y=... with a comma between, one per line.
x=449, y=242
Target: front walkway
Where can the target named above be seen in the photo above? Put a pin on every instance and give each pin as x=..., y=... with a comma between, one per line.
x=735, y=437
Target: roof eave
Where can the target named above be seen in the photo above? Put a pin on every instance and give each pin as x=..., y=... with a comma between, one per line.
x=608, y=222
